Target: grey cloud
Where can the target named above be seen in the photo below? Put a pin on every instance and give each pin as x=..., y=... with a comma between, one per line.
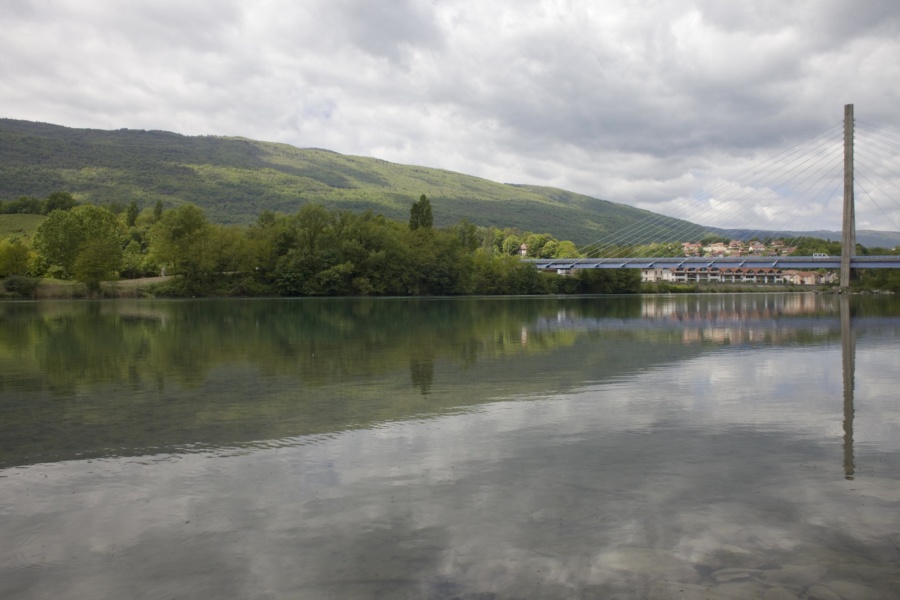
x=630, y=102
x=389, y=29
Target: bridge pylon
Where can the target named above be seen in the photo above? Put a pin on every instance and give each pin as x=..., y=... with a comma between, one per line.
x=848, y=237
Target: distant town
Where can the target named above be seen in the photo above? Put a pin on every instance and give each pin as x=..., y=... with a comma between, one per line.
x=713, y=274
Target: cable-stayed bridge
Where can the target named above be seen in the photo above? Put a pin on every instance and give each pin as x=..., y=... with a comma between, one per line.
x=813, y=177
x=720, y=262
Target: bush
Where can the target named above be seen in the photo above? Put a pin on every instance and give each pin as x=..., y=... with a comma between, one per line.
x=19, y=286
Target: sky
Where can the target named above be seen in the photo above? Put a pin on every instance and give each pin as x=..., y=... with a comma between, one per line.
x=658, y=104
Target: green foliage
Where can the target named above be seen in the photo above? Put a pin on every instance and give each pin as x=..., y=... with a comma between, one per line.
x=132, y=214
x=507, y=275
x=98, y=259
x=315, y=252
x=467, y=235
x=234, y=180
x=18, y=286
x=884, y=280
x=807, y=246
x=712, y=238
x=13, y=257
x=35, y=206
x=608, y=281
x=420, y=214
x=64, y=235
x=24, y=205
x=181, y=240
x=58, y=201
x=661, y=250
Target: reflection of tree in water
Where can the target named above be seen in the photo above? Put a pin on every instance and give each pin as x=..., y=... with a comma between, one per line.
x=421, y=369
x=157, y=373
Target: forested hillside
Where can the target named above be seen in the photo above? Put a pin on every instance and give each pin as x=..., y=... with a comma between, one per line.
x=233, y=180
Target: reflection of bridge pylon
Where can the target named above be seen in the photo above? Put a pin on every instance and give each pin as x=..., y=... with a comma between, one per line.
x=848, y=356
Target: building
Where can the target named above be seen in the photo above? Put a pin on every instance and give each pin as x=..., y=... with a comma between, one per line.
x=655, y=275
x=756, y=247
x=703, y=274
x=802, y=277
x=692, y=248
x=716, y=249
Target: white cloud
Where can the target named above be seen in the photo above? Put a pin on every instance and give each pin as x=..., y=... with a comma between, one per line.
x=640, y=102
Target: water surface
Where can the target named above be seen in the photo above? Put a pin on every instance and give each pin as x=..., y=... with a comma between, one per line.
x=655, y=447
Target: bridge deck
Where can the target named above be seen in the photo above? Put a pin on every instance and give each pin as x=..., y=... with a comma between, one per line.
x=725, y=262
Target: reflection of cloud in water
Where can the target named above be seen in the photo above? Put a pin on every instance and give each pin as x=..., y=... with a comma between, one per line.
x=610, y=490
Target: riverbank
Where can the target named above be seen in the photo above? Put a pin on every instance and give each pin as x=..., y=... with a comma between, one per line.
x=19, y=288
x=26, y=288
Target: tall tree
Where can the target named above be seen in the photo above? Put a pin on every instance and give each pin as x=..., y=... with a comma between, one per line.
x=179, y=239
x=132, y=214
x=420, y=214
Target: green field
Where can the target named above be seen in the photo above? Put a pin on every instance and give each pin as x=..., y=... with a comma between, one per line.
x=20, y=225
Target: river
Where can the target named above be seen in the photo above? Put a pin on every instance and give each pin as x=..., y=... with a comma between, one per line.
x=656, y=447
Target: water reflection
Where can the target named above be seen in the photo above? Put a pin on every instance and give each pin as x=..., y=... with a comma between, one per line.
x=848, y=370
x=650, y=448
x=148, y=376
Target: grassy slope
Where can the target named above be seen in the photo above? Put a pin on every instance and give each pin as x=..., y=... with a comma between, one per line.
x=234, y=179
x=20, y=225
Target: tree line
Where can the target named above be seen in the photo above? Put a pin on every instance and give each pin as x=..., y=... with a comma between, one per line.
x=313, y=252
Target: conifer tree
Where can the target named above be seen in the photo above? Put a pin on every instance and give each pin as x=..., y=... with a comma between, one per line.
x=420, y=214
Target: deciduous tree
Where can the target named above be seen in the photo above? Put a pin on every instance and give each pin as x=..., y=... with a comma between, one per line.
x=63, y=235
x=13, y=257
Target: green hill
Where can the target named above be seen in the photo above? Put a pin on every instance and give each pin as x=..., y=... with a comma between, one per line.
x=234, y=179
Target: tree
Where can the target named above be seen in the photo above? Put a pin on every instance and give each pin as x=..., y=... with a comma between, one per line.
x=59, y=201
x=23, y=205
x=13, y=257
x=313, y=221
x=131, y=214
x=179, y=239
x=269, y=239
x=511, y=245
x=467, y=234
x=420, y=214
x=566, y=249
x=98, y=259
x=63, y=235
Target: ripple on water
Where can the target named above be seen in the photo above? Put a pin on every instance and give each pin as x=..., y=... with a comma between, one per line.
x=32, y=549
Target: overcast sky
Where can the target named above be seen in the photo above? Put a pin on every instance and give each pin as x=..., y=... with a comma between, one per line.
x=652, y=103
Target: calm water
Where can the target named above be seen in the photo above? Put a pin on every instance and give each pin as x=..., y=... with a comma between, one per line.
x=719, y=447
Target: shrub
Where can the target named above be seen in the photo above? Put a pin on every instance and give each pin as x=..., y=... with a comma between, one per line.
x=19, y=286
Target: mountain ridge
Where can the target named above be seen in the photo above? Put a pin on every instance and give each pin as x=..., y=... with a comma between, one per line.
x=235, y=178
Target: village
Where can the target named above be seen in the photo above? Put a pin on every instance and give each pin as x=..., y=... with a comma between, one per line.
x=713, y=274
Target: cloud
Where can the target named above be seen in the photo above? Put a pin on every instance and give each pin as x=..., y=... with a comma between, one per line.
x=633, y=102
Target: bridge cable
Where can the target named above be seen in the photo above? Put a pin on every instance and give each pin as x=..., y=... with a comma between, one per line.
x=752, y=181
x=656, y=223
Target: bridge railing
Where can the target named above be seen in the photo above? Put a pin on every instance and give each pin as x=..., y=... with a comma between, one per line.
x=721, y=262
